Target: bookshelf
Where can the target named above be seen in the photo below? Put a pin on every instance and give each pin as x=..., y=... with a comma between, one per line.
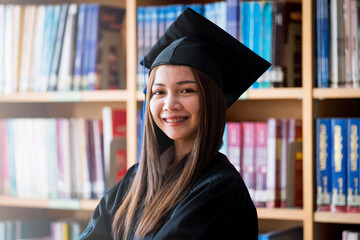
x=305, y=102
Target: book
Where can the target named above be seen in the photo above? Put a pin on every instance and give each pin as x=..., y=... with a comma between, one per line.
x=8, y=47
x=224, y=147
x=55, y=63
x=2, y=49
x=257, y=35
x=267, y=42
x=353, y=161
x=354, y=41
x=247, y=156
x=106, y=48
x=283, y=148
x=260, y=160
x=323, y=164
x=140, y=24
x=114, y=127
x=66, y=64
x=294, y=186
x=80, y=46
x=234, y=144
x=233, y=18
x=26, y=52
x=273, y=163
x=338, y=164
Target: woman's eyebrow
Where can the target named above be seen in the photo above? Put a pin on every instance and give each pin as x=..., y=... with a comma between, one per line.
x=178, y=83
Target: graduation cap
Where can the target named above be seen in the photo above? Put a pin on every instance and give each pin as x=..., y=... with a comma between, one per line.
x=192, y=40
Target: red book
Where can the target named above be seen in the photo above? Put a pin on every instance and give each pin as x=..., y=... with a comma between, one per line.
x=260, y=160
x=247, y=156
x=114, y=134
x=234, y=147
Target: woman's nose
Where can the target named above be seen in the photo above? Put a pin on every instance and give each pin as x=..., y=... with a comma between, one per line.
x=171, y=103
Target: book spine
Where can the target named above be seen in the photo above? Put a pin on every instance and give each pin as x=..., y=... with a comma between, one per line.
x=140, y=47
x=233, y=18
x=234, y=147
x=267, y=42
x=338, y=164
x=80, y=47
x=93, y=20
x=247, y=158
x=260, y=163
x=273, y=163
x=323, y=164
x=347, y=42
x=283, y=161
x=353, y=161
x=354, y=44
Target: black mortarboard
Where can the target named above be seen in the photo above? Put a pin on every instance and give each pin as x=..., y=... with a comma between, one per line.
x=193, y=40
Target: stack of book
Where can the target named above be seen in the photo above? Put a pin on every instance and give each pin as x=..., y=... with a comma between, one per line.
x=337, y=164
x=268, y=155
x=337, y=43
x=272, y=29
x=72, y=158
x=61, y=47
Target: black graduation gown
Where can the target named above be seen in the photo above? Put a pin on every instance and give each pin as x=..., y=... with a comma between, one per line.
x=217, y=207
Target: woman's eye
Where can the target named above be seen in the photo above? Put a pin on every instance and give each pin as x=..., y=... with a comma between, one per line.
x=158, y=92
x=188, y=90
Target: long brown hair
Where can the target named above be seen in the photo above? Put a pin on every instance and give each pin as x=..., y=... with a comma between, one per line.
x=156, y=192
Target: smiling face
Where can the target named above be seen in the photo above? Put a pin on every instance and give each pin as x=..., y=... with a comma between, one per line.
x=175, y=103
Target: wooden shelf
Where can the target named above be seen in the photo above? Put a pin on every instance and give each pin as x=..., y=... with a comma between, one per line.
x=71, y=96
x=281, y=214
x=332, y=217
x=260, y=94
x=334, y=93
x=69, y=204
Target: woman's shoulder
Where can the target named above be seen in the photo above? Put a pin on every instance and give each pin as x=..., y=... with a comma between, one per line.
x=219, y=172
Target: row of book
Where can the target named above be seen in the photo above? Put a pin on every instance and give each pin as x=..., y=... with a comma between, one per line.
x=337, y=164
x=41, y=229
x=72, y=158
x=337, y=43
x=61, y=47
x=293, y=233
x=272, y=29
x=350, y=235
x=268, y=155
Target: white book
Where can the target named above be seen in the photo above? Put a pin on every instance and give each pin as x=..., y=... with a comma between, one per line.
x=99, y=169
x=2, y=49
x=26, y=50
x=75, y=157
x=64, y=157
x=18, y=18
x=40, y=158
x=37, y=47
x=85, y=178
x=68, y=50
x=52, y=157
x=334, y=72
x=8, y=48
x=354, y=44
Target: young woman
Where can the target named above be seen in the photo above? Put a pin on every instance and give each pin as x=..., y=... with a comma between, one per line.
x=183, y=188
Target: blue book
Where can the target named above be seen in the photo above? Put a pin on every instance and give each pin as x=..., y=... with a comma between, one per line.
x=152, y=10
x=338, y=164
x=220, y=14
x=161, y=11
x=210, y=12
x=170, y=15
x=245, y=23
x=52, y=14
x=224, y=146
x=267, y=41
x=233, y=18
x=323, y=164
x=55, y=63
x=353, y=162
x=80, y=47
x=196, y=7
x=322, y=41
x=93, y=27
x=140, y=17
x=178, y=9
x=257, y=34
